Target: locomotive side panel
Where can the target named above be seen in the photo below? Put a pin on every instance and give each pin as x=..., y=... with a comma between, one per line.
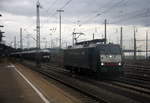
x=94, y=59
x=79, y=58
x=57, y=57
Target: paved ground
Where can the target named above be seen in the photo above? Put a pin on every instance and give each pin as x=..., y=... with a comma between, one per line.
x=19, y=84
x=14, y=89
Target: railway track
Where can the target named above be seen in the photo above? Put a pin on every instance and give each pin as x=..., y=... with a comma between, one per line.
x=138, y=63
x=132, y=79
x=124, y=79
x=138, y=66
x=135, y=82
x=142, y=69
x=137, y=72
x=122, y=88
x=99, y=91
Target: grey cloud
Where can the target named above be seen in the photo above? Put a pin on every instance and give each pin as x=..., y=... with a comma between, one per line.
x=113, y=10
x=18, y=7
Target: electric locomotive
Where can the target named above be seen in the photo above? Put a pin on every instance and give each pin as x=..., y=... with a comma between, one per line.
x=94, y=56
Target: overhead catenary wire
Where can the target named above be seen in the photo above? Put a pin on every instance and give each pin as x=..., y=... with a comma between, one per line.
x=105, y=11
x=52, y=5
x=145, y=13
x=98, y=14
x=62, y=7
x=67, y=3
x=109, y=2
x=135, y=16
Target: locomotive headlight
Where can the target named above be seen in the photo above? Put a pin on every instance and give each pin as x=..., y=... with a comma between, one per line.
x=110, y=56
x=119, y=63
x=102, y=64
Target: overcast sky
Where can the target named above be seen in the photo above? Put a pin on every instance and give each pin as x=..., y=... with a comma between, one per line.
x=89, y=14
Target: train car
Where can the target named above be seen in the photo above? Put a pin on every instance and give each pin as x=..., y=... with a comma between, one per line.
x=44, y=55
x=57, y=57
x=99, y=58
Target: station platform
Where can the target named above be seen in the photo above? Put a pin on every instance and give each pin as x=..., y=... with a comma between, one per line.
x=21, y=85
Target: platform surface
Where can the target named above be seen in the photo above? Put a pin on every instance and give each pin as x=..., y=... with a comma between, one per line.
x=19, y=84
x=14, y=89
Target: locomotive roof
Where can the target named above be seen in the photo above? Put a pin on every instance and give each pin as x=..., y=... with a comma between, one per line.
x=91, y=41
x=94, y=45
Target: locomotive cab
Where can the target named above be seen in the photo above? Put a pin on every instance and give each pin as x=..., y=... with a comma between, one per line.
x=95, y=57
x=110, y=58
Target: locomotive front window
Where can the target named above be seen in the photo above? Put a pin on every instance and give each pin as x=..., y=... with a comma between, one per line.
x=110, y=49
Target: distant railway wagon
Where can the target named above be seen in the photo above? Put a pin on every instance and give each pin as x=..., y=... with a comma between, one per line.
x=5, y=51
x=43, y=55
x=101, y=58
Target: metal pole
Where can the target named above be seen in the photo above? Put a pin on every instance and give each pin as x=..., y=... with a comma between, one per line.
x=105, y=32
x=73, y=39
x=51, y=41
x=15, y=42
x=45, y=43
x=146, y=45
x=121, y=45
x=66, y=45
x=60, y=30
x=134, y=43
x=93, y=36
x=38, y=25
x=28, y=42
x=60, y=26
x=21, y=43
x=38, y=33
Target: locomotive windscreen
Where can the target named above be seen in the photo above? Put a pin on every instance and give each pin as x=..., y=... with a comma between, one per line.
x=110, y=49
